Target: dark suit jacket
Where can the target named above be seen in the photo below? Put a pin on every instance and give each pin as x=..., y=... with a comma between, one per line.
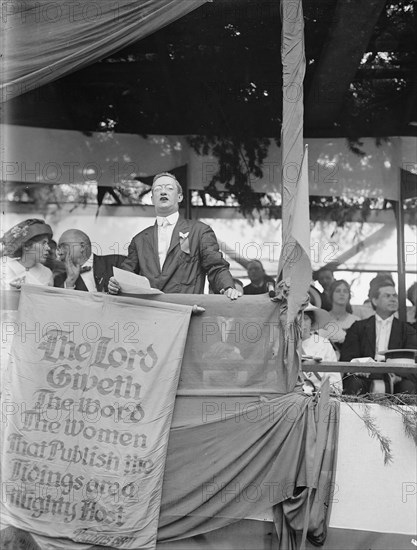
x=360, y=341
x=185, y=269
x=102, y=271
x=360, y=338
x=251, y=289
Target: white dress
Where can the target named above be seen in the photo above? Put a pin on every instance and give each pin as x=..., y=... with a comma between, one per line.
x=347, y=322
x=12, y=269
x=317, y=346
x=338, y=328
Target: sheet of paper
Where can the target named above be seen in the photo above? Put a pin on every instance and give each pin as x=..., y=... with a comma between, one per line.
x=131, y=283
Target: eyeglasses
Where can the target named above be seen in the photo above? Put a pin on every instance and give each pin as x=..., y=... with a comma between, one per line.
x=167, y=186
x=68, y=245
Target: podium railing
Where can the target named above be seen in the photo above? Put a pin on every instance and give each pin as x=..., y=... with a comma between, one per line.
x=373, y=368
x=10, y=302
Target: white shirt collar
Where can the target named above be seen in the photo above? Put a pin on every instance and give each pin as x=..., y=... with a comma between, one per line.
x=386, y=321
x=172, y=218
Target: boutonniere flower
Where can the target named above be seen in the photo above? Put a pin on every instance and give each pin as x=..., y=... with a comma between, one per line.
x=184, y=242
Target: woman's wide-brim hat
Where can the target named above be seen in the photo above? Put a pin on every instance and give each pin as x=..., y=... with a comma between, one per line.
x=321, y=316
x=314, y=295
x=23, y=232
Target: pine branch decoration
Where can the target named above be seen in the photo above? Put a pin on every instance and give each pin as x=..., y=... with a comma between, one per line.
x=373, y=429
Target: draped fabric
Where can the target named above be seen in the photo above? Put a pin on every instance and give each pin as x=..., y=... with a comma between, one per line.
x=295, y=261
x=235, y=345
x=222, y=469
x=240, y=461
x=232, y=456
x=45, y=40
x=357, y=519
x=231, y=349
x=293, y=70
x=294, y=270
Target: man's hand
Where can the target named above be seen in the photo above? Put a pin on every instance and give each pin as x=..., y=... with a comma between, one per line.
x=73, y=271
x=17, y=282
x=232, y=293
x=362, y=360
x=197, y=309
x=113, y=286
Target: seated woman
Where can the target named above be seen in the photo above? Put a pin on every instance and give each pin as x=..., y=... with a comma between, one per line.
x=340, y=313
x=26, y=246
x=315, y=345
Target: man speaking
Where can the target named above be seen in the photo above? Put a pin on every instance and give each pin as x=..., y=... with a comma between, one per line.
x=176, y=254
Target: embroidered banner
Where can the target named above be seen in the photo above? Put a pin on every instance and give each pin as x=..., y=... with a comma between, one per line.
x=87, y=412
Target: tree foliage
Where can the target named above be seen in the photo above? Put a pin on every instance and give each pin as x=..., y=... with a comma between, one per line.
x=215, y=75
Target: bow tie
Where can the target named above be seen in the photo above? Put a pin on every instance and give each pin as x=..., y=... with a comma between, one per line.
x=85, y=269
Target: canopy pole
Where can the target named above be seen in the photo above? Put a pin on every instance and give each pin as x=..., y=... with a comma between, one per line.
x=399, y=218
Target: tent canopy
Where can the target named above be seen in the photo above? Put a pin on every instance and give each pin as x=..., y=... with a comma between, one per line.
x=63, y=156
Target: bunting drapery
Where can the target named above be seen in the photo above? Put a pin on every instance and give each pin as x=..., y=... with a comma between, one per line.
x=294, y=269
x=44, y=40
x=228, y=456
x=293, y=70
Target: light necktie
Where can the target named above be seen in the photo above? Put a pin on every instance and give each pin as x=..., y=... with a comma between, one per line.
x=382, y=328
x=163, y=241
x=382, y=339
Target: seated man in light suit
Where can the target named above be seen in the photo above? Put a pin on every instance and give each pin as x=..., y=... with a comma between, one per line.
x=380, y=332
x=176, y=254
x=74, y=249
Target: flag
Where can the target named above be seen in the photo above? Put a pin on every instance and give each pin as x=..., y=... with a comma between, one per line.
x=294, y=263
x=294, y=268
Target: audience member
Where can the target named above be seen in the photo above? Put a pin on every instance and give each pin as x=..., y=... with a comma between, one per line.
x=385, y=275
x=26, y=247
x=81, y=271
x=340, y=312
x=325, y=277
x=51, y=262
x=365, y=310
x=260, y=282
x=314, y=345
x=412, y=296
x=382, y=331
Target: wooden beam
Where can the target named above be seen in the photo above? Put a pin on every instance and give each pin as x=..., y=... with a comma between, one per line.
x=198, y=212
x=376, y=237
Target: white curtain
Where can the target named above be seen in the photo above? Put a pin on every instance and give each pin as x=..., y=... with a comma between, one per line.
x=44, y=40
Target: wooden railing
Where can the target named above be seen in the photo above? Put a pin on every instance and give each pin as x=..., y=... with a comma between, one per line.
x=373, y=368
